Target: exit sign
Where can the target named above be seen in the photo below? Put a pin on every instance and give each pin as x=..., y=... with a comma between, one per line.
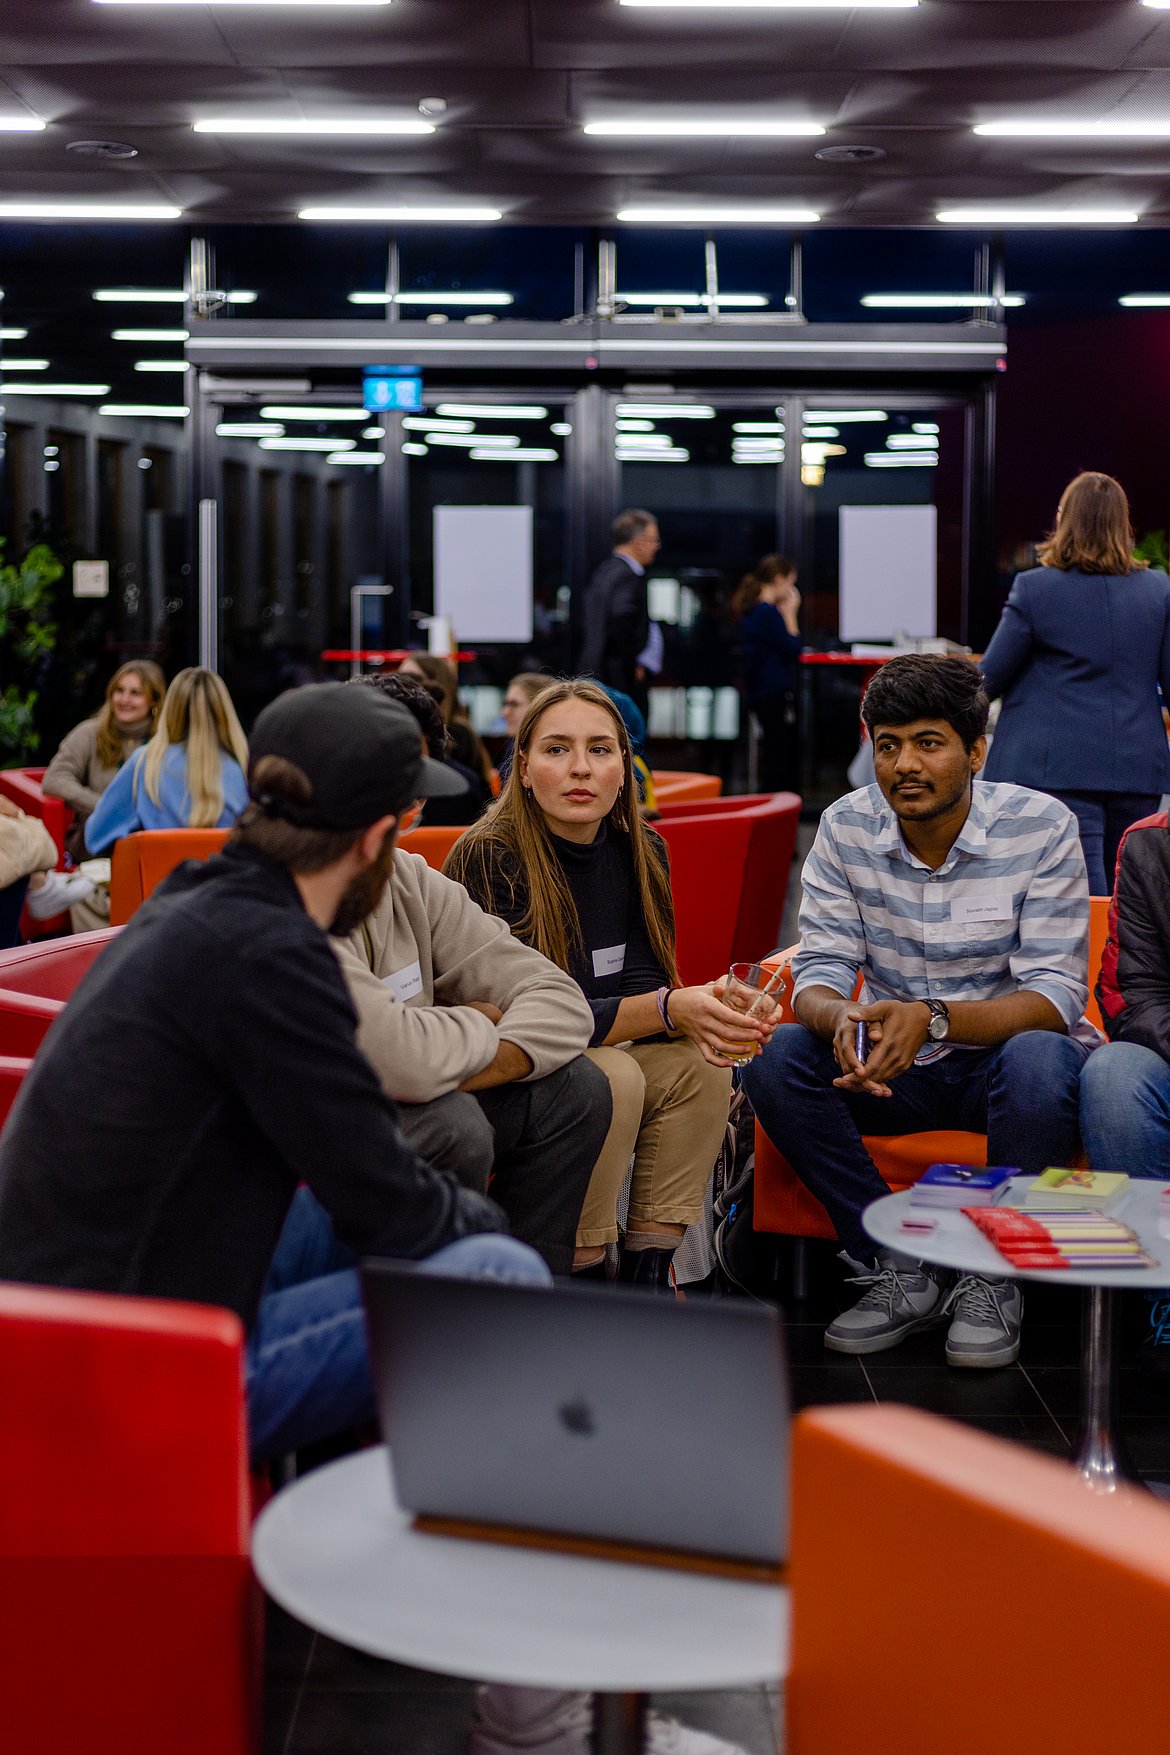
x=387, y=392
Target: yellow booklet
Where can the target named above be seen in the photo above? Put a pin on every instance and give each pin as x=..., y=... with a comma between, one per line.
x=1079, y=1188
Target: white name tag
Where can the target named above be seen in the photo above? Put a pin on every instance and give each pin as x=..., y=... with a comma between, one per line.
x=610, y=961
x=404, y=983
x=973, y=908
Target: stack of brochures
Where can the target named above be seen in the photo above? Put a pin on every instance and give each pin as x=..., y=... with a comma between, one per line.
x=1076, y=1188
x=1060, y=1236
x=960, y=1185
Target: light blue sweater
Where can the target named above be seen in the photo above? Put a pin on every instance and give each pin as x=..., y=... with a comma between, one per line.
x=126, y=806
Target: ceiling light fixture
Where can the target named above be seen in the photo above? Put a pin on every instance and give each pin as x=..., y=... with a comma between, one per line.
x=706, y=215
x=561, y=428
x=689, y=300
x=323, y=126
x=493, y=410
x=150, y=334
x=306, y=444
x=901, y=459
x=409, y=450
x=373, y=432
x=302, y=411
x=1144, y=301
x=59, y=210
x=757, y=426
x=524, y=454
x=844, y=416
x=21, y=125
x=157, y=295
x=161, y=366
x=678, y=455
x=667, y=410
x=401, y=215
x=13, y=334
x=634, y=426
x=56, y=389
x=366, y=457
x=938, y=301
x=249, y=429
x=694, y=128
x=912, y=441
x=465, y=441
x=1118, y=129
x=9, y=364
x=820, y=432
x=784, y=5
x=924, y=426
x=432, y=423
x=164, y=411
x=320, y=4
x=431, y=298
x=1071, y=216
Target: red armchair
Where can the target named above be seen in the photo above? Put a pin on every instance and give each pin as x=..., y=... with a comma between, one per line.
x=729, y=873
x=35, y=982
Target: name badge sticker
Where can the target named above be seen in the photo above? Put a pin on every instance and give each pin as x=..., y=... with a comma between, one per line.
x=610, y=961
x=971, y=909
x=405, y=983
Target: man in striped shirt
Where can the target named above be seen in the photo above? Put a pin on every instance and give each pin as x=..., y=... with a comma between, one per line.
x=965, y=908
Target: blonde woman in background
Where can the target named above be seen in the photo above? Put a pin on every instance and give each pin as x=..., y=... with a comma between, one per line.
x=83, y=767
x=190, y=775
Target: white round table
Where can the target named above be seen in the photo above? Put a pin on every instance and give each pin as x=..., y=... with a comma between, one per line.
x=337, y=1551
x=957, y=1243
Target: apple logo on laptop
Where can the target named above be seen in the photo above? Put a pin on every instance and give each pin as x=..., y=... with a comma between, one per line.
x=577, y=1416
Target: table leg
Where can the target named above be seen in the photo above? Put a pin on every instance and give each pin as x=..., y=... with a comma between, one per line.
x=619, y=1724
x=1100, y=1454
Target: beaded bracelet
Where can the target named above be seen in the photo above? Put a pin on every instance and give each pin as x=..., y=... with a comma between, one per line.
x=663, y=997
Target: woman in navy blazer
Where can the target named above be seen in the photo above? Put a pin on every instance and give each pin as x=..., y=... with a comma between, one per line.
x=1079, y=653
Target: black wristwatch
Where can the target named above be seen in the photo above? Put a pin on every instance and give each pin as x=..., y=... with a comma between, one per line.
x=940, y=1020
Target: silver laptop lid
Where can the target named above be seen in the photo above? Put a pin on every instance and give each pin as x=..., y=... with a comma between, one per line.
x=584, y=1411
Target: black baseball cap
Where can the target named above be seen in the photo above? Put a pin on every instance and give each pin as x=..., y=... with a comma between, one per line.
x=361, y=752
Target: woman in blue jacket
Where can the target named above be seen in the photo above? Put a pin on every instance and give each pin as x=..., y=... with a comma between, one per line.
x=768, y=603
x=1080, y=651
x=189, y=776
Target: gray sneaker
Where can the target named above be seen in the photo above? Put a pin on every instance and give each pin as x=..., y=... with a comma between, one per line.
x=985, y=1326
x=902, y=1296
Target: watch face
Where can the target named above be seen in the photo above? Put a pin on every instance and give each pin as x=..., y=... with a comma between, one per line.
x=937, y=1028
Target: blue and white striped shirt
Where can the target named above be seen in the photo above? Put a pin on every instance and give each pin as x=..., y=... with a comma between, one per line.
x=1007, y=910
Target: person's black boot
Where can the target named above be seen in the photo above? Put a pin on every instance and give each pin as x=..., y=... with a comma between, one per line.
x=649, y=1268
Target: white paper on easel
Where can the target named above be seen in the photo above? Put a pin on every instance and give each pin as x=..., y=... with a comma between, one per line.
x=483, y=571
x=888, y=572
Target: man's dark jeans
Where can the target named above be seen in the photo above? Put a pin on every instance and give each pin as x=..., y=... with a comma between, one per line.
x=1023, y=1095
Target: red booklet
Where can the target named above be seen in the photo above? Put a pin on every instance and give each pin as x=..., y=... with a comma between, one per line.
x=1075, y=1240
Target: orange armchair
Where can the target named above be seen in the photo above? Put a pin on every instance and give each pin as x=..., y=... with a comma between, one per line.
x=1069, y=1591
x=673, y=785
x=141, y=861
x=433, y=844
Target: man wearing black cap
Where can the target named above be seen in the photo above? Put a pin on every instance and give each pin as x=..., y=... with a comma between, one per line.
x=207, y=1065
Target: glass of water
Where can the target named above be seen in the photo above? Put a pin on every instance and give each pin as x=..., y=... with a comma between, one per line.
x=756, y=991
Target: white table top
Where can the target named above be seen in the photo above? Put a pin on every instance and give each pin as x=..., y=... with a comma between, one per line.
x=957, y=1243
x=337, y=1552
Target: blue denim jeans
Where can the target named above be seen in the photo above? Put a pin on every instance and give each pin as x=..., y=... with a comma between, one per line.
x=306, y=1368
x=1023, y=1095
x=1102, y=819
x=1125, y=1110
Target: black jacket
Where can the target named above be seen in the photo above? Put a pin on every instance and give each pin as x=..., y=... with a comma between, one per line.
x=204, y=1067
x=1134, y=987
x=617, y=625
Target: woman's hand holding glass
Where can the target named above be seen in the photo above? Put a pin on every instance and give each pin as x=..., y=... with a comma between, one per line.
x=724, y=1034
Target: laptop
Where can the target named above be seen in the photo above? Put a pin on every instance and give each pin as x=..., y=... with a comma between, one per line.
x=597, y=1420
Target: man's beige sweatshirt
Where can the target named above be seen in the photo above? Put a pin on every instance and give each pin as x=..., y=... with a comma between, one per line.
x=416, y=963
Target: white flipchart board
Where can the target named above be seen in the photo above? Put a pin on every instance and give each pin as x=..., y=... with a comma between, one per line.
x=889, y=568
x=483, y=571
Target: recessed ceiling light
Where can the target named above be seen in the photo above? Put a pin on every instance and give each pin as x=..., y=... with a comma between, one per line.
x=938, y=301
x=366, y=457
x=704, y=129
x=431, y=298
x=1118, y=129
x=1144, y=301
x=524, y=454
x=303, y=411
x=493, y=410
x=249, y=429
x=150, y=334
x=56, y=390
x=704, y=215
x=667, y=410
x=733, y=301
x=52, y=210
x=306, y=444
x=337, y=125
x=164, y=411
x=1071, y=216
x=21, y=125
x=158, y=295
x=161, y=366
x=401, y=215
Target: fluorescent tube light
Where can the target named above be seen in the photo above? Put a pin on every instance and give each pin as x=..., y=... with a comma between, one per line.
x=164, y=411
x=704, y=215
x=692, y=301
x=901, y=459
x=427, y=298
x=757, y=426
x=912, y=441
x=150, y=334
x=52, y=210
x=666, y=410
x=9, y=364
x=502, y=441
x=938, y=301
x=433, y=423
x=249, y=429
x=373, y=432
x=320, y=4
x=780, y=5
x=161, y=366
x=678, y=455
x=561, y=428
x=758, y=457
x=401, y=215
x=158, y=295
x=414, y=450
x=924, y=426
x=1070, y=216
x=493, y=410
x=634, y=426
x=367, y=457
x=705, y=129
x=322, y=126
x=282, y=444
x=56, y=389
x=20, y=125
x=302, y=411
x=1117, y=129
x=844, y=416
x=820, y=433
x=13, y=334
x=1144, y=301
x=525, y=454
x=645, y=441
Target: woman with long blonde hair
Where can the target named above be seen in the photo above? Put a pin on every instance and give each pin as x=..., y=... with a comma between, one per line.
x=1081, y=649
x=190, y=775
x=565, y=857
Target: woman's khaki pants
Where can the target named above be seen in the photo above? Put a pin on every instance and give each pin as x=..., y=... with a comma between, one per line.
x=669, y=1115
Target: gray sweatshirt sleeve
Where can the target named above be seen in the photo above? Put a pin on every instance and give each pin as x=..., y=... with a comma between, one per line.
x=66, y=776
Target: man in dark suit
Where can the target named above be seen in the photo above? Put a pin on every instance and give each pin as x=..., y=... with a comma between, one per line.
x=617, y=625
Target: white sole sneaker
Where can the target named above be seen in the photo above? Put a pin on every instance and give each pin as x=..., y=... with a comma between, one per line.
x=537, y=1721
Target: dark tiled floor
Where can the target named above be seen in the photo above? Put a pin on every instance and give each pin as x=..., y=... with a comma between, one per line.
x=323, y=1699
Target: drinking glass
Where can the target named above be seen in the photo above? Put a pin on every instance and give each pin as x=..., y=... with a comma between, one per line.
x=757, y=991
